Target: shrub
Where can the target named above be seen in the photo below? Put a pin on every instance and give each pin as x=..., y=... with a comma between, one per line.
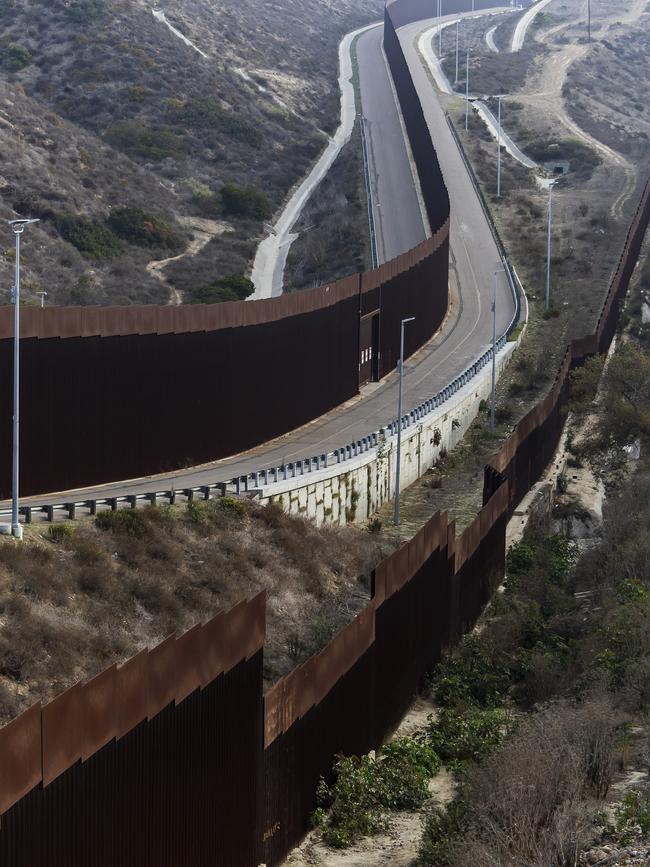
x=198, y=512
x=471, y=676
x=85, y=11
x=632, y=814
x=233, y=288
x=440, y=834
x=14, y=57
x=129, y=522
x=232, y=507
x=88, y=236
x=59, y=532
x=245, y=202
x=461, y=737
x=137, y=227
x=204, y=113
x=364, y=789
x=149, y=143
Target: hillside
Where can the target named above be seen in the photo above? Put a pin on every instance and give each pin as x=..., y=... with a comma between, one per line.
x=133, y=144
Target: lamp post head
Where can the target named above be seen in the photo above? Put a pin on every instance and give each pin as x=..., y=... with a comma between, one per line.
x=409, y=319
x=18, y=226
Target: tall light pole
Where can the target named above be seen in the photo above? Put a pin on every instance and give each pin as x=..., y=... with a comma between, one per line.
x=499, y=98
x=440, y=32
x=547, y=300
x=18, y=227
x=457, y=47
x=399, y=420
x=589, y=20
x=494, y=349
x=467, y=94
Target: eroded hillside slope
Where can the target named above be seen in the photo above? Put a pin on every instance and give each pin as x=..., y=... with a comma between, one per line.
x=120, y=135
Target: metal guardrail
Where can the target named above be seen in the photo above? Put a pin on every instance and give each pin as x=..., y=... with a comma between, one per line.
x=273, y=475
x=91, y=507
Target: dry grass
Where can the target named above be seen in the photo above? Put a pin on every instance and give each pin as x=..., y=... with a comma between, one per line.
x=74, y=600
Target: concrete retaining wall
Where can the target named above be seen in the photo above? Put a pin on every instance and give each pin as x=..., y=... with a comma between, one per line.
x=352, y=492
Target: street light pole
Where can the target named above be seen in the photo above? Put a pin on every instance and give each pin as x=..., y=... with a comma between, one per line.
x=547, y=301
x=589, y=20
x=494, y=350
x=467, y=94
x=44, y=294
x=18, y=227
x=440, y=32
x=499, y=151
x=457, y=47
x=399, y=420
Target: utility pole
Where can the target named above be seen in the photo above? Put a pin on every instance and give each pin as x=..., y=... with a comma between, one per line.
x=494, y=350
x=440, y=31
x=467, y=94
x=457, y=47
x=589, y=20
x=18, y=227
x=499, y=98
x=547, y=302
x=399, y=420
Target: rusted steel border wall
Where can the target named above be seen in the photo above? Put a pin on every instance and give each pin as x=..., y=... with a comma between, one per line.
x=529, y=449
x=124, y=392
x=351, y=696
x=119, y=393
x=155, y=762
x=175, y=755
x=404, y=12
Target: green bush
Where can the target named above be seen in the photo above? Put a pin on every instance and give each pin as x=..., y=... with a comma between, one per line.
x=204, y=113
x=14, y=57
x=149, y=143
x=198, y=512
x=520, y=559
x=129, y=522
x=365, y=789
x=245, y=202
x=633, y=812
x=231, y=506
x=137, y=227
x=471, y=676
x=88, y=236
x=440, y=835
x=85, y=11
x=234, y=288
x=462, y=737
x=59, y=532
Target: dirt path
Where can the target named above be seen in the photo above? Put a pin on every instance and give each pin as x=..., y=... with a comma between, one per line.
x=548, y=95
x=399, y=846
x=204, y=231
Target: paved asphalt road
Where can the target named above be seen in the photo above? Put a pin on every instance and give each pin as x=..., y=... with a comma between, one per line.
x=465, y=336
x=398, y=215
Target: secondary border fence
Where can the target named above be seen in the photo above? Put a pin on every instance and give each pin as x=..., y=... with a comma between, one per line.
x=176, y=757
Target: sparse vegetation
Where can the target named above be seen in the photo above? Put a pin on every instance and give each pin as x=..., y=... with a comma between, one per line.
x=245, y=202
x=80, y=596
x=234, y=288
x=367, y=789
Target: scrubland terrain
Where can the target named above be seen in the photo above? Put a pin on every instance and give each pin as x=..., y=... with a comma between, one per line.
x=80, y=597
x=103, y=108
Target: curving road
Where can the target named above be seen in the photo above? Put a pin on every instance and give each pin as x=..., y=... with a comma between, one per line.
x=465, y=335
x=519, y=35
